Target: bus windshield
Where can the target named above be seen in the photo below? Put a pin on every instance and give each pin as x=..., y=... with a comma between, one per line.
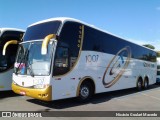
x=7, y=61
x=30, y=61
x=40, y=31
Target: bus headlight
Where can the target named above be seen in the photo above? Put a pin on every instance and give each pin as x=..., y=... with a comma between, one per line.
x=13, y=82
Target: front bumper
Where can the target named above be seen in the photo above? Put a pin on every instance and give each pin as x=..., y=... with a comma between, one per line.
x=41, y=94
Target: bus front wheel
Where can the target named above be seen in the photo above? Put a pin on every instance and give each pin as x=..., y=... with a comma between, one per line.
x=85, y=92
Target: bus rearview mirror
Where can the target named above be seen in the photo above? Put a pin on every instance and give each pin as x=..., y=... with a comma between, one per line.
x=7, y=44
x=45, y=43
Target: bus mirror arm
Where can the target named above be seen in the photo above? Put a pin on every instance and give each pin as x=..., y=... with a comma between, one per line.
x=45, y=43
x=7, y=44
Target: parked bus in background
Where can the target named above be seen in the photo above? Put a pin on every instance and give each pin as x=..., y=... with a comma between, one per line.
x=7, y=61
x=64, y=57
x=158, y=70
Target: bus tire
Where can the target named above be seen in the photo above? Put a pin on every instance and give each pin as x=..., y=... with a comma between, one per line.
x=139, y=84
x=85, y=92
x=146, y=83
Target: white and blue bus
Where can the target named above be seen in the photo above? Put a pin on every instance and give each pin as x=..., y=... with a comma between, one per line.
x=63, y=57
x=158, y=70
x=7, y=61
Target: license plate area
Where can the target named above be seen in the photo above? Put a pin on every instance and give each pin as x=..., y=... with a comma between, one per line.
x=22, y=92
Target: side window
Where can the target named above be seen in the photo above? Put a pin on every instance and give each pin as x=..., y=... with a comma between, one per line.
x=61, y=63
x=71, y=37
x=158, y=66
x=158, y=72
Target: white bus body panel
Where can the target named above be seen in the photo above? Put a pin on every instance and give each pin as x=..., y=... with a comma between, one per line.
x=28, y=81
x=158, y=70
x=67, y=85
x=6, y=80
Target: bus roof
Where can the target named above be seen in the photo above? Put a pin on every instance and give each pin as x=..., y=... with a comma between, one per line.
x=11, y=29
x=64, y=19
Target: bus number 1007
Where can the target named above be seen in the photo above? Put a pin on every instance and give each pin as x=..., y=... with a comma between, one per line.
x=92, y=58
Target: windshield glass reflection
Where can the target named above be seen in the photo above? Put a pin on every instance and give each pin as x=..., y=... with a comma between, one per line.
x=30, y=61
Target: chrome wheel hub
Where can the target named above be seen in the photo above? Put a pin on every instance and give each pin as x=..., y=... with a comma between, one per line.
x=84, y=92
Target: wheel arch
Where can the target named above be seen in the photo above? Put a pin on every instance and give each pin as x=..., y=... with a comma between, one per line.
x=141, y=78
x=84, y=79
x=146, y=77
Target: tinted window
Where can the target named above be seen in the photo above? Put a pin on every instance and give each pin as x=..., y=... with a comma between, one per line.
x=158, y=66
x=10, y=35
x=8, y=60
x=95, y=40
x=71, y=38
x=40, y=31
x=158, y=72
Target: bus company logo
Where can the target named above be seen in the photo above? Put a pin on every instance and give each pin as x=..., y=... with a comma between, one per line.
x=6, y=114
x=116, y=67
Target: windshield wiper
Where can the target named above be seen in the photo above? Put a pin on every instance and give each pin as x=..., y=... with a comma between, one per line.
x=30, y=69
x=21, y=60
x=27, y=64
